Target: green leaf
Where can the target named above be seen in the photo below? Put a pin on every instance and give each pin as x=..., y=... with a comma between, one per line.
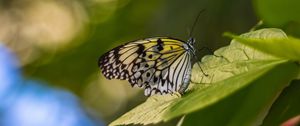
x=286, y=48
x=237, y=67
x=247, y=106
x=286, y=106
x=236, y=58
x=278, y=12
x=148, y=112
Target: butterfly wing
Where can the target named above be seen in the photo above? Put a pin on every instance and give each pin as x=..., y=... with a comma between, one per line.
x=159, y=65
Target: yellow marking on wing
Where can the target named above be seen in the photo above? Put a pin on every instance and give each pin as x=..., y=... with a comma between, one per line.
x=149, y=45
x=174, y=41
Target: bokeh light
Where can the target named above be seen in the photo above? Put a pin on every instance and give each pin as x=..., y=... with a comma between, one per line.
x=10, y=75
x=32, y=103
x=31, y=27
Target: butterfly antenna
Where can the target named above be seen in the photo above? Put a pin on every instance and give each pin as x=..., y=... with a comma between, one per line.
x=190, y=35
x=195, y=22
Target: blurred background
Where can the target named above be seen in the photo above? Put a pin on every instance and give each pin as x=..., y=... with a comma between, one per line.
x=49, y=50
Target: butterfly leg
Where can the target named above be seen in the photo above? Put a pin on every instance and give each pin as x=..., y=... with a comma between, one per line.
x=205, y=74
x=196, y=82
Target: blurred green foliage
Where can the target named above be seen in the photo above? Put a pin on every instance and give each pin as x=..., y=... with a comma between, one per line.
x=280, y=13
x=286, y=106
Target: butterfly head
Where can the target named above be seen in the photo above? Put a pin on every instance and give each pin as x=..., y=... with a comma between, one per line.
x=191, y=42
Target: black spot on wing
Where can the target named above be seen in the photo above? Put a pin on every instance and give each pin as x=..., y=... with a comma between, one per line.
x=110, y=65
x=148, y=74
x=123, y=66
x=143, y=54
x=159, y=41
x=105, y=57
x=155, y=79
x=160, y=45
x=141, y=49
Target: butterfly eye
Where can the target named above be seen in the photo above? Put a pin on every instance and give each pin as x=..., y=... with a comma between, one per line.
x=192, y=41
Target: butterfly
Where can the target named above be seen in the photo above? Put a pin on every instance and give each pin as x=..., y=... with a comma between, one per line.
x=161, y=65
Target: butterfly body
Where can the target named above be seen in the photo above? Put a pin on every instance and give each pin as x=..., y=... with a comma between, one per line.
x=161, y=65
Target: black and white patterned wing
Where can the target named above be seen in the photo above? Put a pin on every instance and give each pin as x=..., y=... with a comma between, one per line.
x=159, y=65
